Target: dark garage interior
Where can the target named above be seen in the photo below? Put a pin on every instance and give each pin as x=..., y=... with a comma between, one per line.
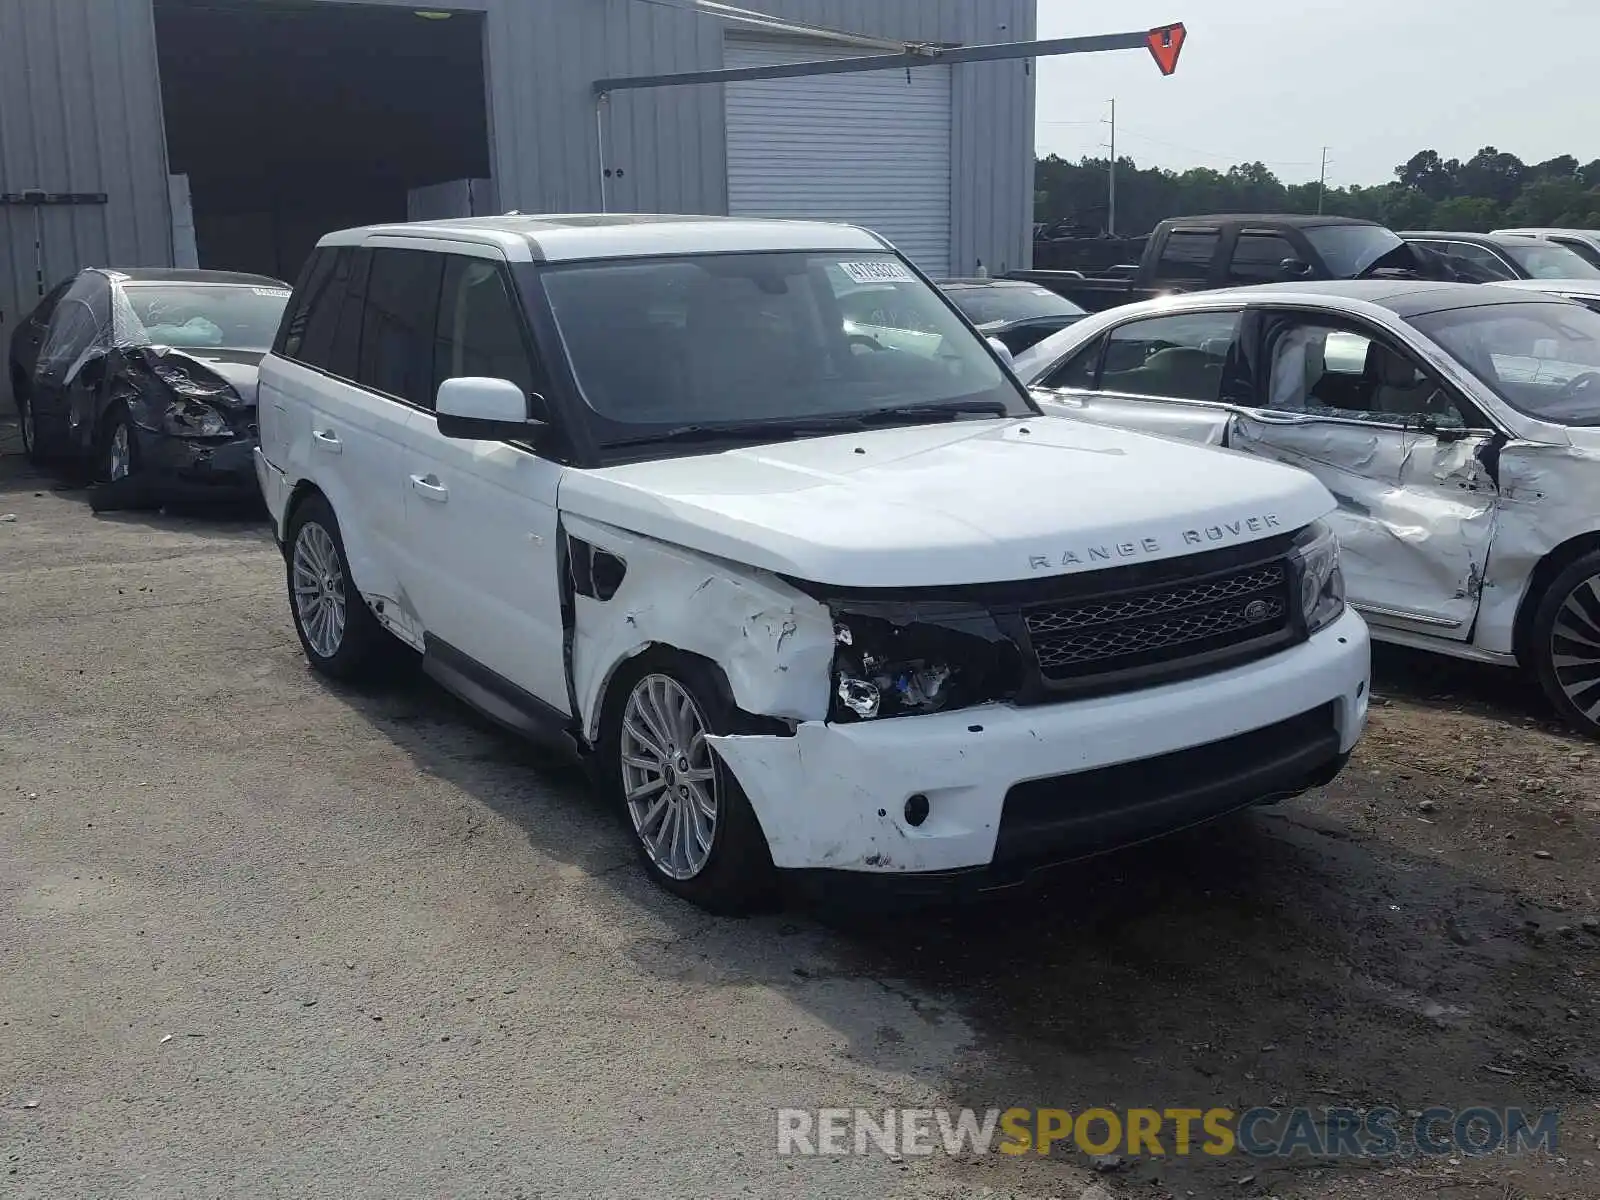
x=292, y=119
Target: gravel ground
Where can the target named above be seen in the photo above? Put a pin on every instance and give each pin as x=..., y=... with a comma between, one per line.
x=264, y=936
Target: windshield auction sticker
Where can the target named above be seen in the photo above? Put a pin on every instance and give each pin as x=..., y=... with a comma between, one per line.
x=880, y=271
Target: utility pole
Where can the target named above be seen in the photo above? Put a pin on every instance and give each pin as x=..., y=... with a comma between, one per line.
x=1322, y=180
x=1111, y=201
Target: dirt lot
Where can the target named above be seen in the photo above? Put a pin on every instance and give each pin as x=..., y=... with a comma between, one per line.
x=260, y=936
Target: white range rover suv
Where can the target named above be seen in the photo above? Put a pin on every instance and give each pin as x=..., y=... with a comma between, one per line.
x=807, y=598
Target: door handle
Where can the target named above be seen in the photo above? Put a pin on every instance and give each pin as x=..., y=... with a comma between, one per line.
x=325, y=439
x=429, y=488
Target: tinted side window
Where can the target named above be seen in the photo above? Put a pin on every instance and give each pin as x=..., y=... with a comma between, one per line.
x=401, y=313
x=313, y=279
x=1181, y=357
x=480, y=326
x=1583, y=249
x=1478, y=256
x=310, y=335
x=1258, y=258
x=1188, y=255
x=1079, y=371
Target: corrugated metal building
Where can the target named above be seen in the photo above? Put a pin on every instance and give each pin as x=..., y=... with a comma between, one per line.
x=284, y=118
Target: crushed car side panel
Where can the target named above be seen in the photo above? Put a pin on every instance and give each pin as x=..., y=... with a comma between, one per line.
x=1416, y=514
x=774, y=643
x=1548, y=495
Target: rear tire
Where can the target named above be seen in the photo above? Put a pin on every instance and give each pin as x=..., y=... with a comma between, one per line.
x=1566, y=643
x=26, y=422
x=691, y=823
x=340, y=636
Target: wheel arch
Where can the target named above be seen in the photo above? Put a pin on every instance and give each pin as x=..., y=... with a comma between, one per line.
x=609, y=696
x=298, y=495
x=1540, y=578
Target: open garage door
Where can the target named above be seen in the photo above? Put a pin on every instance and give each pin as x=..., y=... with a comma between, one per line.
x=871, y=149
x=292, y=118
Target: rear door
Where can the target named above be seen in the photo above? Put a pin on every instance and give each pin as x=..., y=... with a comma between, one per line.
x=1400, y=450
x=1171, y=375
x=319, y=423
x=65, y=385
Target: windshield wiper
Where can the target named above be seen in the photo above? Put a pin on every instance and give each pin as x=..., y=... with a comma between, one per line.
x=934, y=412
x=819, y=425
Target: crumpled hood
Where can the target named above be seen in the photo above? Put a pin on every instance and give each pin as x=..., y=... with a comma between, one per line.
x=240, y=368
x=965, y=502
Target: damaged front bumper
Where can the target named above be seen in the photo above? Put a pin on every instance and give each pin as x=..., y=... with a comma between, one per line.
x=1009, y=789
x=196, y=468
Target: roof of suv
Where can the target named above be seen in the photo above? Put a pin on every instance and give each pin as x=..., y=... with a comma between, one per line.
x=574, y=237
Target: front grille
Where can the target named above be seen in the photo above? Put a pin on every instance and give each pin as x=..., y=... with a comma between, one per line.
x=1106, y=635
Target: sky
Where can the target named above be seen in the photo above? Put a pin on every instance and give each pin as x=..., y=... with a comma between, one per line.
x=1373, y=80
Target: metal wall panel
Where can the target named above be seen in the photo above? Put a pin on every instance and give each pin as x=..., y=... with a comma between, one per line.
x=670, y=143
x=871, y=149
x=80, y=111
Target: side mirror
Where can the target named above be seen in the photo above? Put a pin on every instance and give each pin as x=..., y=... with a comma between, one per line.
x=479, y=409
x=1003, y=350
x=1294, y=268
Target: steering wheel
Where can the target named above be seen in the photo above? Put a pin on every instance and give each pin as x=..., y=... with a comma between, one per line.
x=861, y=339
x=1578, y=384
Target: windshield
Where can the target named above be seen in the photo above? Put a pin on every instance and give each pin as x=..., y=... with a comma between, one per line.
x=1533, y=356
x=1547, y=260
x=1021, y=303
x=768, y=337
x=1348, y=250
x=204, y=316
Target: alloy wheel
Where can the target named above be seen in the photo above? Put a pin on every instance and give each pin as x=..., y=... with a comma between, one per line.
x=668, y=778
x=1575, y=648
x=319, y=589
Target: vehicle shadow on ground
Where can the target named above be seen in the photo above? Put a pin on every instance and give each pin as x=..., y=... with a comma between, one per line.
x=243, y=519
x=1439, y=682
x=1274, y=958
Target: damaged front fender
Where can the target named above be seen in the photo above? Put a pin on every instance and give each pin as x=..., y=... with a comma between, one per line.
x=772, y=642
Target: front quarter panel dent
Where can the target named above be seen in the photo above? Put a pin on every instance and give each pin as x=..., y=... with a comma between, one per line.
x=773, y=643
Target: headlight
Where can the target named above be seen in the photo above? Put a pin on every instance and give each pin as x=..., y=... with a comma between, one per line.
x=1316, y=554
x=891, y=668
x=190, y=418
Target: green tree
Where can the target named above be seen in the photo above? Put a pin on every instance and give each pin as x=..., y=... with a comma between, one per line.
x=1466, y=214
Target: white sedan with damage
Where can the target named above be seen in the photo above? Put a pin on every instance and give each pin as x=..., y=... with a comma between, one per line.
x=1457, y=426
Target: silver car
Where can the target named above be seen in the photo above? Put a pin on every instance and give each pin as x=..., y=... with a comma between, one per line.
x=1457, y=425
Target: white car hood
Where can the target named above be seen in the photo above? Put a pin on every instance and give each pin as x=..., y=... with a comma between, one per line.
x=966, y=502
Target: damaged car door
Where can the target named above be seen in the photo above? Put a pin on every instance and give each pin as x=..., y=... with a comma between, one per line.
x=1401, y=450
x=63, y=396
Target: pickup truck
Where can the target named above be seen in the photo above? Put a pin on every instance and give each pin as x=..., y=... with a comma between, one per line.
x=1194, y=254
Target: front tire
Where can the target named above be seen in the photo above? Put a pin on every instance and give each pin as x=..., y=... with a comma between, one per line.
x=1566, y=643
x=340, y=637
x=692, y=825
